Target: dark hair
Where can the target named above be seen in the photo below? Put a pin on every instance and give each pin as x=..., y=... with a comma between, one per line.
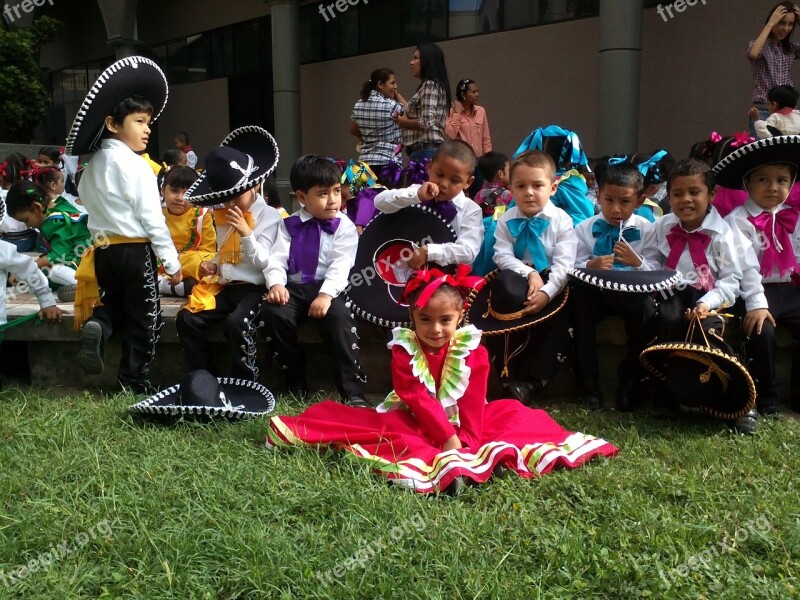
x=490, y=163
x=377, y=76
x=623, y=174
x=182, y=136
x=129, y=106
x=53, y=153
x=46, y=176
x=15, y=164
x=786, y=43
x=785, y=96
x=180, y=178
x=448, y=290
x=458, y=150
x=689, y=167
x=537, y=159
x=23, y=194
x=791, y=166
x=433, y=68
x=172, y=157
x=657, y=172
x=271, y=192
x=462, y=87
x=311, y=170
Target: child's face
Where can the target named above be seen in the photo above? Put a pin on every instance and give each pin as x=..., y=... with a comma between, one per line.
x=591, y=180
x=179, y=144
x=32, y=217
x=243, y=201
x=437, y=321
x=617, y=203
x=175, y=201
x=44, y=161
x=388, y=88
x=322, y=202
x=504, y=175
x=772, y=107
x=450, y=175
x=57, y=187
x=531, y=188
x=134, y=130
x=769, y=186
x=689, y=199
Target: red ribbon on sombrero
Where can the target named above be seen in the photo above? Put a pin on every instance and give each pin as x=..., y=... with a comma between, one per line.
x=431, y=279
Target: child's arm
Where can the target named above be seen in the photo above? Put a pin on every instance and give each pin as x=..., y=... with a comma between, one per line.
x=761, y=126
x=563, y=257
x=470, y=239
x=257, y=246
x=728, y=278
x=343, y=257
x=584, y=251
x=390, y=201
x=504, y=256
x=28, y=274
x=275, y=273
x=751, y=288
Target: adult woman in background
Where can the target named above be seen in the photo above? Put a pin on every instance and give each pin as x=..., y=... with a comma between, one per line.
x=372, y=120
x=468, y=122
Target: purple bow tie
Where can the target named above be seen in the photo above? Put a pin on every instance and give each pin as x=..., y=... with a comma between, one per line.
x=304, y=250
x=446, y=210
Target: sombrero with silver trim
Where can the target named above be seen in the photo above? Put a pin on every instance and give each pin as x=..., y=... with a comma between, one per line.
x=380, y=272
x=495, y=308
x=245, y=158
x=732, y=168
x=126, y=78
x=629, y=281
x=201, y=395
x=2, y=209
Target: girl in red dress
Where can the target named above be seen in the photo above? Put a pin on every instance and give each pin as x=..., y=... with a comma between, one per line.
x=435, y=426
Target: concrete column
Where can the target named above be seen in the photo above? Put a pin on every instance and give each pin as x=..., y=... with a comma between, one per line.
x=618, y=77
x=119, y=17
x=286, y=88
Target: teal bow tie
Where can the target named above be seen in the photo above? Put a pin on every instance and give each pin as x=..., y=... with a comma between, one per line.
x=607, y=235
x=527, y=235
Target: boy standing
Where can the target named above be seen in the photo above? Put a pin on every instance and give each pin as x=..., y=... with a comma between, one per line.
x=308, y=272
x=120, y=194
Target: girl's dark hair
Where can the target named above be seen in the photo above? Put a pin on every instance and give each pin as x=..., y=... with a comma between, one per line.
x=433, y=68
x=15, y=164
x=448, y=290
x=462, y=87
x=53, y=153
x=377, y=76
x=46, y=176
x=23, y=194
x=172, y=157
x=311, y=170
x=689, y=167
x=271, y=192
x=180, y=178
x=786, y=43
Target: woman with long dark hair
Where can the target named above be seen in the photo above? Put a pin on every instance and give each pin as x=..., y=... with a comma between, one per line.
x=372, y=121
x=423, y=123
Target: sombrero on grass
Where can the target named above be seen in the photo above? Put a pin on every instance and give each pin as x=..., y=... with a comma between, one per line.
x=246, y=157
x=630, y=281
x=126, y=78
x=380, y=272
x=703, y=377
x=736, y=162
x=495, y=309
x=200, y=394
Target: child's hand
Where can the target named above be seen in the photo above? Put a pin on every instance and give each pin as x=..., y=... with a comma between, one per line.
x=601, y=262
x=237, y=221
x=43, y=261
x=419, y=259
x=319, y=307
x=535, y=281
x=452, y=443
x=207, y=269
x=53, y=314
x=753, y=113
x=428, y=191
x=278, y=294
x=700, y=310
x=754, y=320
x=624, y=254
x=359, y=229
x=536, y=303
x=176, y=277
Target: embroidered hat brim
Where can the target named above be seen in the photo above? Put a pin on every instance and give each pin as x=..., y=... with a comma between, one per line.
x=379, y=274
x=251, y=140
x=731, y=170
x=2, y=210
x=247, y=399
x=479, y=315
x=702, y=377
x=635, y=282
x=127, y=77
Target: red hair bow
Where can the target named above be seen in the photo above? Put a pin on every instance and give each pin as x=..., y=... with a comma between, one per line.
x=429, y=280
x=3, y=166
x=715, y=137
x=741, y=139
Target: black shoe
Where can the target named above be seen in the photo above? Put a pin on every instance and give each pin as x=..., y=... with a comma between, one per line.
x=357, y=401
x=591, y=401
x=90, y=355
x=747, y=424
x=458, y=487
x=521, y=390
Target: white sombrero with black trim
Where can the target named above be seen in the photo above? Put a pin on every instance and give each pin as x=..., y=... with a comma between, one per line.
x=731, y=169
x=629, y=281
x=126, y=78
x=200, y=394
x=245, y=158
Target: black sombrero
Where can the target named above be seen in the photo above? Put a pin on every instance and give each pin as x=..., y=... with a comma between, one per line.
x=200, y=394
x=629, y=281
x=702, y=377
x=380, y=272
x=495, y=308
x=128, y=77
x=732, y=167
x=2, y=210
x=244, y=159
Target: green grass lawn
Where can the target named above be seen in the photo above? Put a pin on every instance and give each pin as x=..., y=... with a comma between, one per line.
x=103, y=505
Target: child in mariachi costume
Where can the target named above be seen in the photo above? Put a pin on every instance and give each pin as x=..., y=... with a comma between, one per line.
x=767, y=170
x=191, y=228
x=435, y=428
